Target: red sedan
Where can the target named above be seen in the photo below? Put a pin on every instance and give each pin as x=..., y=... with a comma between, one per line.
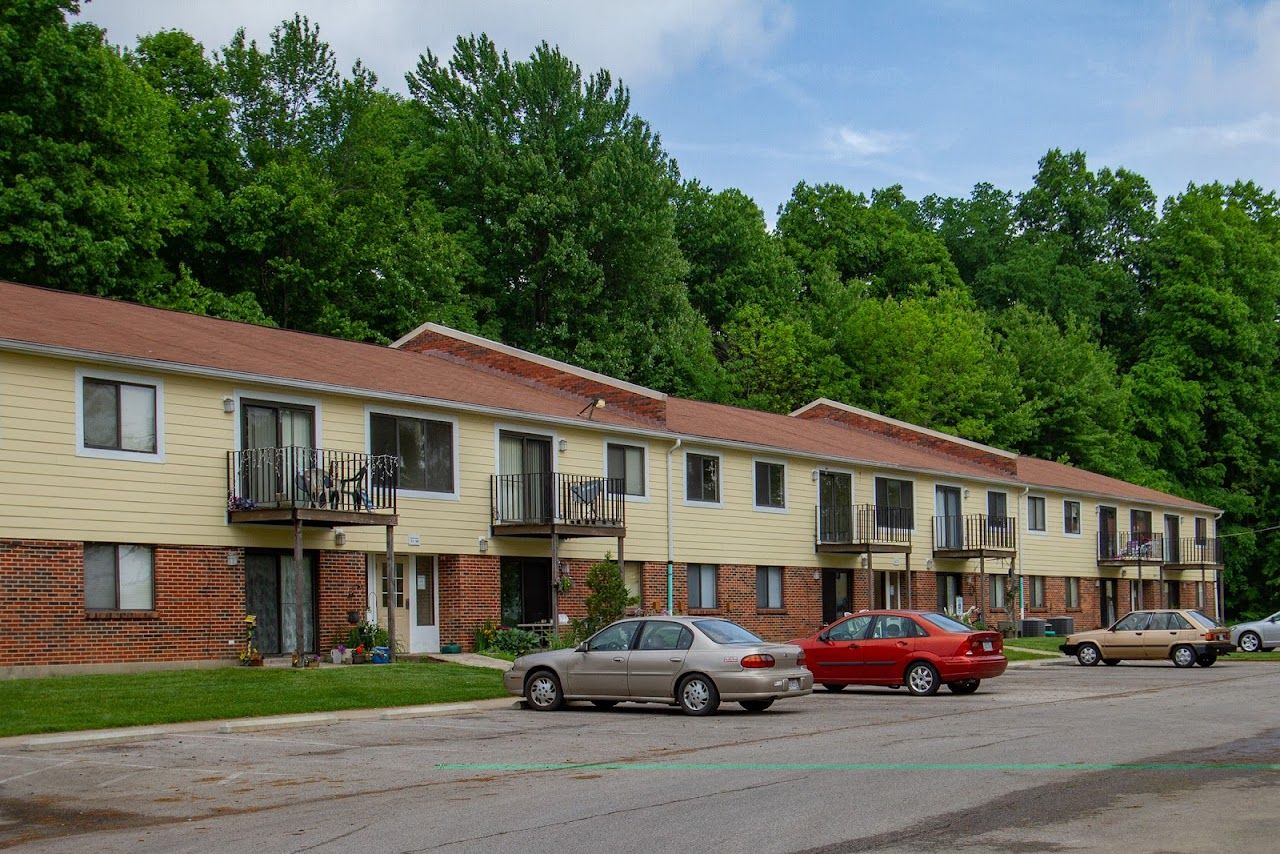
x=920, y=649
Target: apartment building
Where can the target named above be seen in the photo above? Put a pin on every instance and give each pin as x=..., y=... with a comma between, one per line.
x=164, y=475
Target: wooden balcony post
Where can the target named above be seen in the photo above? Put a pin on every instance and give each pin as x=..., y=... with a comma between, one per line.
x=299, y=591
x=391, y=593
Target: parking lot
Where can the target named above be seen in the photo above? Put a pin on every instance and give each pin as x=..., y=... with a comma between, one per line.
x=1047, y=757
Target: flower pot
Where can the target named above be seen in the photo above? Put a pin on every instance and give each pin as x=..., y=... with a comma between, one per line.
x=451, y=648
x=359, y=658
x=335, y=655
x=313, y=663
x=254, y=662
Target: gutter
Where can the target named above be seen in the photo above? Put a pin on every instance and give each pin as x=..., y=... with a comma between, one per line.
x=1219, y=606
x=671, y=534
x=1022, y=593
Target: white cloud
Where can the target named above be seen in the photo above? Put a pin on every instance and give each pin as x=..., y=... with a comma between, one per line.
x=647, y=41
x=849, y=143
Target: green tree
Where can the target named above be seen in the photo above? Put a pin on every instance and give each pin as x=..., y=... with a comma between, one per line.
x=606, y=600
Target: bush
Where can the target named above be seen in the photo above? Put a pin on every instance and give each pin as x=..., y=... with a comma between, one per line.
x=607, y=600
x=514, y=641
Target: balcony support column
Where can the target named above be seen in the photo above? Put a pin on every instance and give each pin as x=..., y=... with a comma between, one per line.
x=1164, y=599
x=982, y=586
x=555, y=587
x=299, y=593
x=391, y=593
x=910, y=595
x=622, y=572
x=871, y=583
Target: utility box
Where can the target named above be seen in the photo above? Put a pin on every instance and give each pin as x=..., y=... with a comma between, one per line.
x=1062, y=626
x=1033, y=627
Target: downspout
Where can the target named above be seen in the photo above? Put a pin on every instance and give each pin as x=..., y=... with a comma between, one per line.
x=671, y=534
x=1219, y=606
x=1022, y=599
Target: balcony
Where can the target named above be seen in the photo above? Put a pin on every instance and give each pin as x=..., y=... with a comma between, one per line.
x=1130, y=548
x=549, y=504
x=1192, y=553
x=863, y=529
x=977, y=535
x=318, y=488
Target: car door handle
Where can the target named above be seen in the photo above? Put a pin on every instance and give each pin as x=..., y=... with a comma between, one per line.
x=852, y=646
x=619, y=658
x=675, y=660
x=902, y=643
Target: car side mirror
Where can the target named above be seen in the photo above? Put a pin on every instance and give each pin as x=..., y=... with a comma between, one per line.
x=824, y=636
x=582, y=647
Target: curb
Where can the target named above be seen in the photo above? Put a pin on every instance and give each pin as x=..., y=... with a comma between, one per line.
x=91, y=739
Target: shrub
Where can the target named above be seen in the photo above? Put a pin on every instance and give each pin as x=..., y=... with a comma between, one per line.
x=607, y=600
x=514, y=641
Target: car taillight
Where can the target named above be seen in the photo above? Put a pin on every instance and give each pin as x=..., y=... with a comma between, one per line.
x=800, y=659
x=757, y=660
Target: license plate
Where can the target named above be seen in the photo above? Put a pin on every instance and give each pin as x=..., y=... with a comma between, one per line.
x=793, y=684
x=986, y=646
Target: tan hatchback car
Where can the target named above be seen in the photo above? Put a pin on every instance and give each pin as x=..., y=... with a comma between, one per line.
x=1184, y=636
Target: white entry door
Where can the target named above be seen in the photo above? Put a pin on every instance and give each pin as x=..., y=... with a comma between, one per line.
x=424, y=606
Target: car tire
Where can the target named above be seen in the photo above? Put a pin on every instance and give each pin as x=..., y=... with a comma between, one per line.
x=1182, y=656
x=755, y=705
x=964, y=686
x=1088, y=655
x=542, y=691
x=604, y=704
x=922, y=679
x=1207, y=660
x=834, y=687
x=1250, y=642
x=1111, y=662
x=697, y=695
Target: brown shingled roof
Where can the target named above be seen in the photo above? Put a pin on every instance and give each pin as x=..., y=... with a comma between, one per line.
x=1049, y=474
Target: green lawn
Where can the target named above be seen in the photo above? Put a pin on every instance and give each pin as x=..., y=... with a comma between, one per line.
x=1045, y=644
x=60, y=703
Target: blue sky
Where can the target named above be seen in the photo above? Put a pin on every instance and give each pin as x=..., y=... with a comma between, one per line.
x=935, y=96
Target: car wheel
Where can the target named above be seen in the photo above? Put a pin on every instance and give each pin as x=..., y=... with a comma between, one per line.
x=964, y=686
x=1250, y=642
x=1088, y=655
x=922, y=679
x=833, y=687
x=755, y=705
x=697, y=695
x=604, y=704
x=1111, y=662
x=542, y=690
x=1183, y=656
x=1207, y=660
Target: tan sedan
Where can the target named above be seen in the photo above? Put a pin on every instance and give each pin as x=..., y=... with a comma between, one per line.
x=1184, y=636
x=690, y=662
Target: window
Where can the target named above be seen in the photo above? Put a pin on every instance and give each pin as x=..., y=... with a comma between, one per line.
x=1035, y=513
x=657, y=634
x=771, y=485
x=1202, y=530
x=626, y=463
x=1134, y=622
x=423, y=446
x=119, y=418
x=118, y=578
x=1070, y=517
x=1037, y=591
x=895, y=626
x=894, y=503
x=400, y=591
x=633, y=578
x=997, y=591
x=615, y=638
x=1199, y=594
x=1073, y=593
x=769, y=587
x=702, y=585
x=997, y=510
x=1140, y=525
x=702, y=478
x=854, y=628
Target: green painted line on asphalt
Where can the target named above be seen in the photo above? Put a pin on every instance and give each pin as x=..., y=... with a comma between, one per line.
x=858, y=766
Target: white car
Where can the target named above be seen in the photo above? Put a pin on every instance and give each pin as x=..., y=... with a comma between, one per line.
x=1259, y=636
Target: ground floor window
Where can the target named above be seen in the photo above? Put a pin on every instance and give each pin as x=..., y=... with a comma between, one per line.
x=768, y=587
x=702, y=585
x=1035, y=592
x=1172, y=594
x=1199, y=594
x=118, y=577
x=633, y=577
x=1073, y=593
x=271, y=595
x=996, y=585
x=950, y=599
x=526, y=590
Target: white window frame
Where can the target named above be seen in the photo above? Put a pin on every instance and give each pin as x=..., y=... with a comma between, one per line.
x=997, y=592
x=420, y=415
x=268, y=395
x=116, y=607
x=1067, y=602
x=157, y=456
x=786, y=484
x=782, y=587
x=1031, y=592
x=715, y=587
x=1044, y=500
x=684, y=478
x=1079, y=517
x=644, y=452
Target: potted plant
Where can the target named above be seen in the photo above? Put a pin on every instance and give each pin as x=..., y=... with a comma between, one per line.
x=338, y=655
x=250, y=655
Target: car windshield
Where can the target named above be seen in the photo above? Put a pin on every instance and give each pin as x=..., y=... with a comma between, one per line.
x=723, y=631
x=947, y=624
x=1205, y=621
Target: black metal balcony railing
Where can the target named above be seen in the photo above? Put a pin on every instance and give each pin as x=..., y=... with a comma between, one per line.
x=1190, y=550
x=295, y=477
x=864, y=524
x=553, y=498
x=1131, y=546
x=974, y=532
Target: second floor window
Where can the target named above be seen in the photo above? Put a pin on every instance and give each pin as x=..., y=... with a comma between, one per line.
x=997, y=510
x=119, y=416
x=771, y=485
x=424, y=448
x=1035, y=513
x=626, y=463
x=702, y=585
x=894, y=502
x=702, y=478
x=1070, y=517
